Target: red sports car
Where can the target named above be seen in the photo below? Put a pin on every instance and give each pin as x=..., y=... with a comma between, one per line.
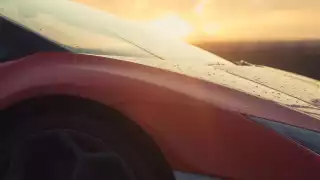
x=86, y=95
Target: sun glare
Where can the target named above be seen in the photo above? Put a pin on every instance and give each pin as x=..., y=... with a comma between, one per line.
x=211, y=29
x=172, y=26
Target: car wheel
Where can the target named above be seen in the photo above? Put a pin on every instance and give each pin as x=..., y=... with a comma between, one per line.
x=75, y=145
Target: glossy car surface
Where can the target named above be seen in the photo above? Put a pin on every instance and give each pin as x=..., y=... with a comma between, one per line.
x=196, y=106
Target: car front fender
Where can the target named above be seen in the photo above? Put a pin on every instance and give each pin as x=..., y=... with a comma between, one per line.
x=198, y=125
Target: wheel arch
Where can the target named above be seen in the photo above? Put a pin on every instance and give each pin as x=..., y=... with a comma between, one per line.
x=67, y=104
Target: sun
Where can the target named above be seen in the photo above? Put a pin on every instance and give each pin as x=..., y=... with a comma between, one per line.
x=171, y=25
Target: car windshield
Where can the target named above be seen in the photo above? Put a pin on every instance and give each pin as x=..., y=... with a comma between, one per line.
x=83, y=29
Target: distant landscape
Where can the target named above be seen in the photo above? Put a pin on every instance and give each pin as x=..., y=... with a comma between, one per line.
x=301, y=57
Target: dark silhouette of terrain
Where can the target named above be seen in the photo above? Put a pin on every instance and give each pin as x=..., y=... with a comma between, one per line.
x=301, y=57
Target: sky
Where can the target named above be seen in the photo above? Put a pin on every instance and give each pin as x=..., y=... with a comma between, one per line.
x=222, y=20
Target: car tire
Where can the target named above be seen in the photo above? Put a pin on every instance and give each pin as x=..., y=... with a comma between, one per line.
x=111, y=132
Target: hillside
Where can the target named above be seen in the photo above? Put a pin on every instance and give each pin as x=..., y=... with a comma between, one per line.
x=301, y=57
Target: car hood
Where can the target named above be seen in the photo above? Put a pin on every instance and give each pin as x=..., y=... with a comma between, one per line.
x=301, y=88
x=291, y=90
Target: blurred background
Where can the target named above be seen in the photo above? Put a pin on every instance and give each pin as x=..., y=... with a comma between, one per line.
x=284, y=34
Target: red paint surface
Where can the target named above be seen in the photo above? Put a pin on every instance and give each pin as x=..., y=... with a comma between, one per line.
x=197, y=124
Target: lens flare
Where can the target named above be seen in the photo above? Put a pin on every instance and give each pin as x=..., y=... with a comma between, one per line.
x=199, y=8
x=172, y=26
